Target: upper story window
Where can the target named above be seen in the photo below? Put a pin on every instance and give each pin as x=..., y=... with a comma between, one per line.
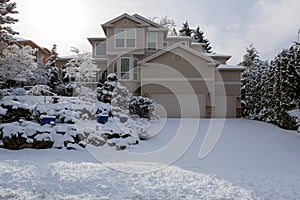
x=100, y=48
x=151, y=41
x=125, y=38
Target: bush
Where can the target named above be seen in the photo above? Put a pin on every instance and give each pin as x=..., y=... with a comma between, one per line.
x=142, y=106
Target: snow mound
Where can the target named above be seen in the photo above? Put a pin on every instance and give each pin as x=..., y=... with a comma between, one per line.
x=64, y=180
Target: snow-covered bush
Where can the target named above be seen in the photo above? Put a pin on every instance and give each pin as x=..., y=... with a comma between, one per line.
x=102, y=108
x=105, y=92
x=142, y=106
x=120, y=101
x=25, y=134
x=13, y=111
x=41, y=90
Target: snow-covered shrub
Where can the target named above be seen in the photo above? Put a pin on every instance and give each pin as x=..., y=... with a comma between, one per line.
x=14, y=111
x=120, y=101
x=105, y=93
x=41, y=90
x=66, y=89
x=85, y=93
x=142, y=106
x=19, y=92
x=102, y=108
x=25, y=134
x=295, y=114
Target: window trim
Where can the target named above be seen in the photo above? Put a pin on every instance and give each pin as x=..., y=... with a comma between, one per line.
x=147, y=42
x=129, y=69
x=125, y=38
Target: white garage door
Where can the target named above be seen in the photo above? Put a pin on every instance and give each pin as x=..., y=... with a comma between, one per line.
x=180, y=105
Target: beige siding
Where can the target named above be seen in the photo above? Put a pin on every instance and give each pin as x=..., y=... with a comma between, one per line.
x=140, y=39
x=228, y=76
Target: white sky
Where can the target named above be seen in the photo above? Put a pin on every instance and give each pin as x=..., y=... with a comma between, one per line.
x=230, y=26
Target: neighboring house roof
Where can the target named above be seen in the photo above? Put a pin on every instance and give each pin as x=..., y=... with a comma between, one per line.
x=24, y=42
x=231, y=67
x=178, y=45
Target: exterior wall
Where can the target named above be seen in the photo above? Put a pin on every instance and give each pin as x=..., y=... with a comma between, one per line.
x=140, y=38
x=182, y=88
x=228, y=92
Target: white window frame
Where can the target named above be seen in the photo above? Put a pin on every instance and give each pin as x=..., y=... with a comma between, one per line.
x=129, y=69
x=125, y=38
x=184, y=43
x=147, y=47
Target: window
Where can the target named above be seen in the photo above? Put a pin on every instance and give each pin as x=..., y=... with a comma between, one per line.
x=135, y=74
x=125, y=38
x=125, y=66
x=151, y=41
x=100, y=48
x=115, y=66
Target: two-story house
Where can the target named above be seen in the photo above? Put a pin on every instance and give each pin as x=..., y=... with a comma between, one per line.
x=177, y=73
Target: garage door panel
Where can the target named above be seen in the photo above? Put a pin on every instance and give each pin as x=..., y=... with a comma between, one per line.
x=180, y=105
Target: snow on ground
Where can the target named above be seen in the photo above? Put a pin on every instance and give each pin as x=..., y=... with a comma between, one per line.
x=251, y=160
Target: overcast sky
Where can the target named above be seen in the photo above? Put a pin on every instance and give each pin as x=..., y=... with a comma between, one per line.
x=230, y=25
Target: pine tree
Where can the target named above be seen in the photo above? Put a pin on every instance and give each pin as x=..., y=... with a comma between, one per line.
x=50, y=62
x=185, y=30
x=6, y=32
x=286, y=86
x=251, y=93
x=198, y=37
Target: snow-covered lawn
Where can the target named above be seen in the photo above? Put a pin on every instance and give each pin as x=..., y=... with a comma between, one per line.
x=251, y=160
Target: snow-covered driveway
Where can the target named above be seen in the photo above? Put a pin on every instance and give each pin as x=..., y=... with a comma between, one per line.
x=252, y=160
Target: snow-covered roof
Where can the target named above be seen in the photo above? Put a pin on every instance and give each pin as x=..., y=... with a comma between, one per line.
x=230, y=67
x=176, y=37
x=217, y=55
x=88, y=54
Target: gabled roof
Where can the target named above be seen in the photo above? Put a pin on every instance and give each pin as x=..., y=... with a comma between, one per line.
x=178, y=45
x=125, y=15
x=147, y=21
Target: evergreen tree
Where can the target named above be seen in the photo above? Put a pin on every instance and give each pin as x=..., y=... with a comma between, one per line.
x=185, y=30
x=251, y=93
x=286, y=86
x=53, y=57
x=198, y=37
x=6, y=32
